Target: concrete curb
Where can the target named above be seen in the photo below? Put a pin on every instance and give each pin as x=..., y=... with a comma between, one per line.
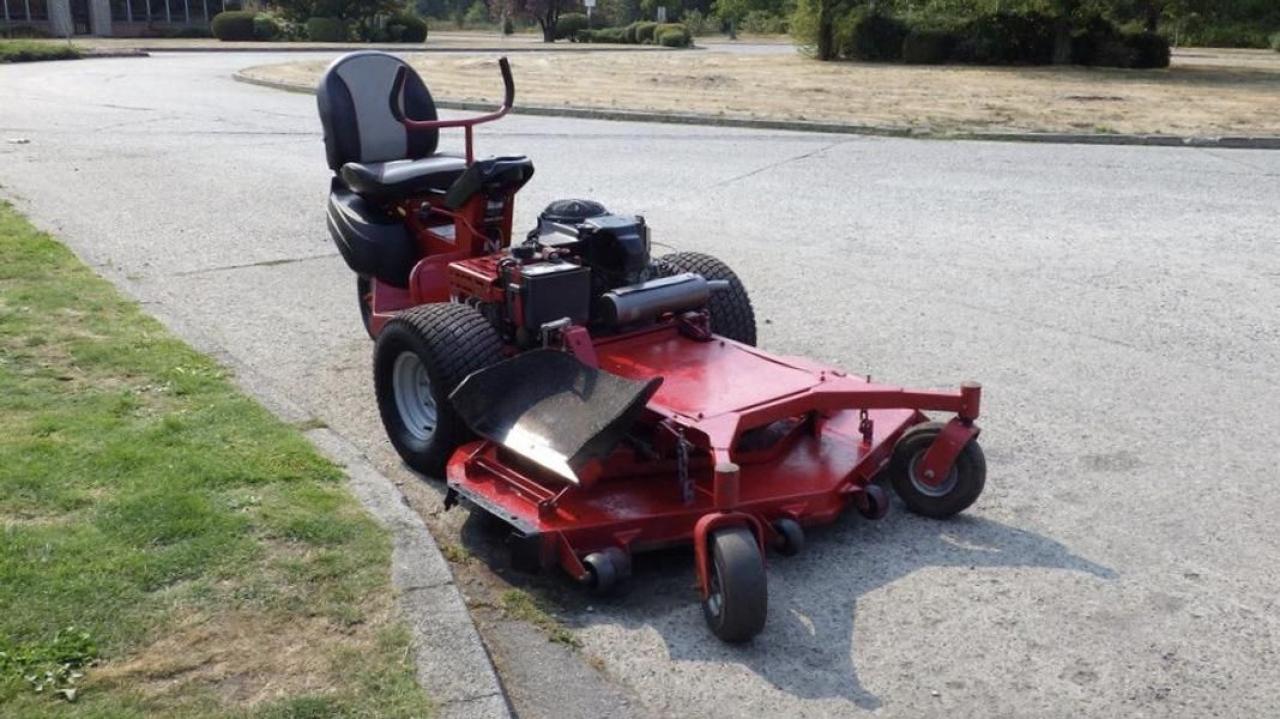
x=452, y=663
x=1249, y=143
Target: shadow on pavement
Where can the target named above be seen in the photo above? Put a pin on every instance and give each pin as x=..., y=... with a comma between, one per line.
x=806, y=648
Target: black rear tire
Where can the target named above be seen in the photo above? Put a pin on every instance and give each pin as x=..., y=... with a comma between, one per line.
x=738, y=604
x=959, y=489
x=732, y=315
x=420, y=357
x=364, y=296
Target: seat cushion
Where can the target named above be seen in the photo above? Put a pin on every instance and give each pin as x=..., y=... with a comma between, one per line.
x=401, y=178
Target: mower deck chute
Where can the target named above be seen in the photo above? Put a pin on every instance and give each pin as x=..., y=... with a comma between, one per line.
x=619, y=399
x=553, y=410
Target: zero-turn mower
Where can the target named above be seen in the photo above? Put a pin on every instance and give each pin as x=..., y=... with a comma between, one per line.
x=596, y=400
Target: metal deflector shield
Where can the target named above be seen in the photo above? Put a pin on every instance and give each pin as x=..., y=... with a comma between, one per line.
x=552, y=409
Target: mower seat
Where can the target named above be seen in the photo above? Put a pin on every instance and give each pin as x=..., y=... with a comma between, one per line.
x=400, y=178
x=366, y=146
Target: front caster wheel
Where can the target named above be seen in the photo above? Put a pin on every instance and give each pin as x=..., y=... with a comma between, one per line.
x=955, y=493
x=790, y=537
x=607, y=570
x=738, y=600
x=872, y=502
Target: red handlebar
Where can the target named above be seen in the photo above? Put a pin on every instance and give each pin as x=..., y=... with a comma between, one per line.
x=398, y=109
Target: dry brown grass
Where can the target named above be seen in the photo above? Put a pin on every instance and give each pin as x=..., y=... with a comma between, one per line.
x=244, y=658
x=1204, y=92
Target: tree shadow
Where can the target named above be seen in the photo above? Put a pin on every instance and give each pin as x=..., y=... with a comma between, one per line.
x=806, y=648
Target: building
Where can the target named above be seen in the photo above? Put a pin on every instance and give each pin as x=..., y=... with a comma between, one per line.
x=125, y=18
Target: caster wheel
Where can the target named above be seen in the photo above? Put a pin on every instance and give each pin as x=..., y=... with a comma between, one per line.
x=957, y=491
x=607, y=570
x=790, y=537
x=738, y=600
x=873, y=503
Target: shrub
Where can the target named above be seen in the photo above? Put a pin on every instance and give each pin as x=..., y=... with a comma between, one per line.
x=629, y=32
x=194, y=32
x=568, y=25
x=644, y=32
x=508, y=26
x=762, y=22
x=870, y=36
x=24, y=51
x=1228, y=35
x=1088, y=41
x=676, y=36
x=1114, y=53
x=26, y=32
x=265, y=27
x=1005, y=38
x=927, y=47
x=587, y=36
x=327, y=29
x=1275, y=41
x=670, y=26
x=609, y=34
x=406, y=27
x=1149, y=50
x=233, y=25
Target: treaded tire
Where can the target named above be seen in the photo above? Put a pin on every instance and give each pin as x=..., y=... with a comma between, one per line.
x=364, y=286
x=731, y=313
x=739, y=577
x=450, y=341
x=957, y=493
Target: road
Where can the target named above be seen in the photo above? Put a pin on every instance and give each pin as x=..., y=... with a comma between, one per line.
x=1119, y=305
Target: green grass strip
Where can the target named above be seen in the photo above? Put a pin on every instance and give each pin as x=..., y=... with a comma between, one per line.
x=167, y=547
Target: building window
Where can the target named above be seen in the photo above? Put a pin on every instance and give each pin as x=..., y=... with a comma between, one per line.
x=39, y=10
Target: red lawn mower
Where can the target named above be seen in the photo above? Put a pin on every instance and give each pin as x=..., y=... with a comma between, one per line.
x=597, y=401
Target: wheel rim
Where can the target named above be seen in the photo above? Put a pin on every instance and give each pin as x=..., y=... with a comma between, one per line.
x=715, y=597
x=414, y=399
x=940, y=490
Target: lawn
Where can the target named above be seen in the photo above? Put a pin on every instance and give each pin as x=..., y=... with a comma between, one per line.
x=31, y=51
x=167, y=546
x=1204, y=92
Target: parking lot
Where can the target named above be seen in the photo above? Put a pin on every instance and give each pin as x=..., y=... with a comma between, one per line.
x=1118, y=304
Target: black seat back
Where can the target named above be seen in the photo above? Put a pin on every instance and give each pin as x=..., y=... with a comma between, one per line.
x=355, y=99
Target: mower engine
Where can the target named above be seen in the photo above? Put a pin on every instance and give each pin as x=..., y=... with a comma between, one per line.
x=581, y=265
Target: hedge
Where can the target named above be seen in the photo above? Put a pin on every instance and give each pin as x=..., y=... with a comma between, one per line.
x=233, y=25
x=645, y=32
x=672, y=34
x=871, y=36
x=928, y=47
x=1000, y=38
x=568, y=25
x=27, y=51
x=406, y=27
x=266, y=27
x=668, y=34
x=327, y=29
x=1275, y=42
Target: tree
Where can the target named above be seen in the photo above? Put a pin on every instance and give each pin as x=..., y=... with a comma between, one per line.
x=545, y=12
x=358, y=11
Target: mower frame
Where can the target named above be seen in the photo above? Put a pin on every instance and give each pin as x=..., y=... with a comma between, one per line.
x=839, y=433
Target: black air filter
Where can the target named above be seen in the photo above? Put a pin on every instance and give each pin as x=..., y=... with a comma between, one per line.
x=571, y=212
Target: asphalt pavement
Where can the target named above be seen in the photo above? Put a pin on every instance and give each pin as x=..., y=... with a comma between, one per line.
x=1119, y=305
